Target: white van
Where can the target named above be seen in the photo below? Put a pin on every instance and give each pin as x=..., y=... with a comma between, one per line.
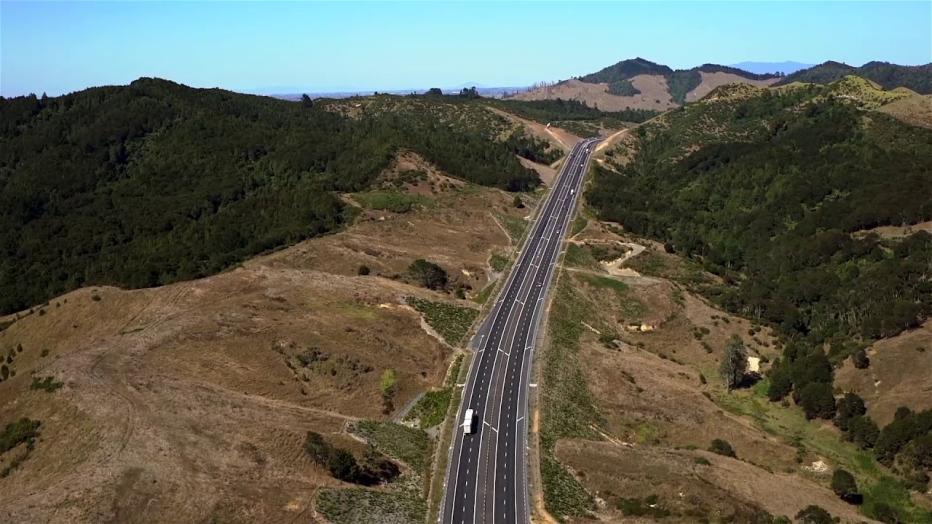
x=469, y=422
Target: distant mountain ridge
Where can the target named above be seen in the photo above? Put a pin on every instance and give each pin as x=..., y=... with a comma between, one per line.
x=627, y=69
x=889, y=76
x=786, y=68
x=639, y=83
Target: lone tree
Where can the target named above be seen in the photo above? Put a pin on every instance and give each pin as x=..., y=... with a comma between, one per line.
x=845, y=487
x=306, y=101
x=434, y=91
x=734, y=363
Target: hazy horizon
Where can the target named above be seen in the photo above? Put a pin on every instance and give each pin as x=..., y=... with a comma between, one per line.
x=355, y=47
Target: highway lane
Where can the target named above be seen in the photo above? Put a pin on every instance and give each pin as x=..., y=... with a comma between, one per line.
x=487, y=477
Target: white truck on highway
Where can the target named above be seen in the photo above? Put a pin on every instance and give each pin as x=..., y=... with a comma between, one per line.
x=469, y=422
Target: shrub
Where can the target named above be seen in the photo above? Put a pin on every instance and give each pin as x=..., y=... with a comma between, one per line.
x=15, y=433
x=850, y=406
x=722, y=447
x=518, y=203
x=913, y=462
x=781, y=383
x=647, y=507
x=886, y=514
x=47, y=384
x=845, y=487
x=363, y=270
x=428, y=274
x=897, y=434
x=863, y=432
x=814, y=515
x=817, y=400
x=860, y=360
x=343, y=465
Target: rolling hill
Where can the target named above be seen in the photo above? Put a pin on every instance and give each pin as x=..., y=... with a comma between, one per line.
x=641, y=84
x=889, y=76
x=156, y=182
x=804, y=209
x=210, y=386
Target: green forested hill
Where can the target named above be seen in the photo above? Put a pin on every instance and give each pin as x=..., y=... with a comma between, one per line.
x=679, y=82
x=767, y=187
x=890, y=76
x=155, y=182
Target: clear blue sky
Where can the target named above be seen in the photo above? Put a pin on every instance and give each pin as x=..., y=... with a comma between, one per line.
x=62, y=47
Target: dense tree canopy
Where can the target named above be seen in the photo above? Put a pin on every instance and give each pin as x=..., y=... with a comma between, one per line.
x=768, y=191
x=890, y=76
x=156, y=182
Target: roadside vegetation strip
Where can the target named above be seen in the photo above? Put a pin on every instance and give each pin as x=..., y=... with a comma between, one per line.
x=458, y=375
x=452, y=322
x=579, y=223
x=483, y=296
x=567, y=407
x=454, y=373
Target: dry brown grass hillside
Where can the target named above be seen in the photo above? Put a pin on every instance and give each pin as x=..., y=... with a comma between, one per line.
x=190, y=402
x=712, y=80
x=913, y=109
x=654, y=91
x=654, y=94
x=647, y=353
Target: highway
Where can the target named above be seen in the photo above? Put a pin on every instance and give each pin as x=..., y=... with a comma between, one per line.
x=486, y=479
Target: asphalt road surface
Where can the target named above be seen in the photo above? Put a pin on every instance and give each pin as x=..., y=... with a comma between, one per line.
x=486, y=480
